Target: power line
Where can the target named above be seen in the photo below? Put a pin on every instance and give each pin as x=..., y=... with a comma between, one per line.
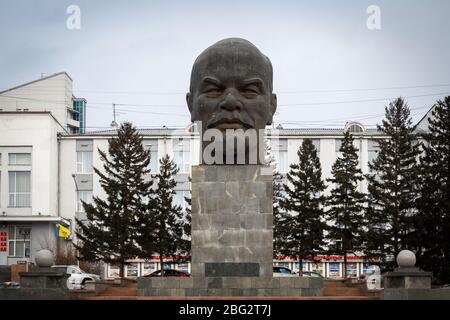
x=281, y=105
x=298, y=104
x=362, y=117
x=366, y=89
x=363, y=100
x=156, y=113
x=46, y=89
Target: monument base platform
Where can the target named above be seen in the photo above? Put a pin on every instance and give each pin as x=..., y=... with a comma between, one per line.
x=230, y=286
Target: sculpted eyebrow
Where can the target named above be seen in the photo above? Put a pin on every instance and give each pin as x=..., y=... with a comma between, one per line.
x=257, y=81
x=211, y=80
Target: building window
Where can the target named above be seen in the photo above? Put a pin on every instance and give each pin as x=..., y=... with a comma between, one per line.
x=372, y=150
x=132, y=270
x=20, y=189
x=338, y=145
x=354, y=128
x=316, y=143
x=180, y=199
x=154, y=162
x=181, y=155
x=20, y=159
x=279, y=149
x=148, y=267
x=84, y=162
x=19, y=238
x=86, y=196
x=152, y=147
x=79, y=105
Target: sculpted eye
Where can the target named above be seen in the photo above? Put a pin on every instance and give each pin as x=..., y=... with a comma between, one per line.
x=251, y=90
x=212, y=90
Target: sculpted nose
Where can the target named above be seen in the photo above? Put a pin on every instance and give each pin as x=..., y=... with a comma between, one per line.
x=230, y=103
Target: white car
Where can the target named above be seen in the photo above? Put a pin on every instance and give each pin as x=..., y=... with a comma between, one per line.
x=77, y=277
x=373, y=278
x=311, y=274
x=283, y=272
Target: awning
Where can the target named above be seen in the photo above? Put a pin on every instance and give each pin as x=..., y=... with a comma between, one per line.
x=60, y=220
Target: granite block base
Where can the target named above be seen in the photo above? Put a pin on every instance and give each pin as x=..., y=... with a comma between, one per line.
x=230, y=286
x=232, y=221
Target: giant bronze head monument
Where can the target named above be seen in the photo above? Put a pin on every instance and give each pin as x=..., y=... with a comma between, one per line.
x=231, y=95
x=231, y=100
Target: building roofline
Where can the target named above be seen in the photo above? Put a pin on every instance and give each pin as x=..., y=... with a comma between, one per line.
x=37, y=80
x=36, y=218
x=34, y=113
x=424, y=117
x=160, y=132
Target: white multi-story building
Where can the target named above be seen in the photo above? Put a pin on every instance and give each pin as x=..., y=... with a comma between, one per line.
x=53, y=94
x=46, y=168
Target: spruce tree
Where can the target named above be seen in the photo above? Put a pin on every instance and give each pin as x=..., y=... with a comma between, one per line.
x=433, y=219
x=304, y=219
x=162, y=226
x=110, y=230
x=279, y=215
x=186, y=245
x=392, y=187
x=345, y=203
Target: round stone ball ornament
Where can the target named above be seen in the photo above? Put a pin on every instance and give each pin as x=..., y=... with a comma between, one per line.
x=406, y=259
x=44, y=258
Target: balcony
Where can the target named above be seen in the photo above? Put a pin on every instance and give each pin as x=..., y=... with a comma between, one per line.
x=73, y=123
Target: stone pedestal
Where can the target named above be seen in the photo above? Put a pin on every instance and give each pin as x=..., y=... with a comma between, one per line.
x=232, y=221
x=409, y=283
x=44, y=278
x=230, y=286
x=411, y=278
x=406, y=284
x=39, y=284
x=232, y=239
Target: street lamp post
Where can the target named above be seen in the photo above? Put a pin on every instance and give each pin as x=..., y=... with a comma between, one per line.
x=76, y=190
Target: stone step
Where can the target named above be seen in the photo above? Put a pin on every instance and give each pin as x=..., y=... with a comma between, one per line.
x=231, y=298
x=340, y=288
x=342, y=292
x=130, y=290
x=334, y=283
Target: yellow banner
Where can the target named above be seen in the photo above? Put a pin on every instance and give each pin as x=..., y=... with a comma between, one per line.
x=63, y=231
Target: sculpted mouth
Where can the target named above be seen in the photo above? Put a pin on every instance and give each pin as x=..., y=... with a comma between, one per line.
x=230, y=124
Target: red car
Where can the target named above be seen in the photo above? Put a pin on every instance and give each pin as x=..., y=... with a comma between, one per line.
x=169, y=273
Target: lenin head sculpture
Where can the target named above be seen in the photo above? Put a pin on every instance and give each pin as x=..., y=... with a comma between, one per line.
x=231, y=91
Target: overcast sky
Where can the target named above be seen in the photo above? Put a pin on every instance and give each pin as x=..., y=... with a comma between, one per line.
x=140, y=53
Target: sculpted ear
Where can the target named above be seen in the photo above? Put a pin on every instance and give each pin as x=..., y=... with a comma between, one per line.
x=189, y=101
x=189, y=104
x=273, y=107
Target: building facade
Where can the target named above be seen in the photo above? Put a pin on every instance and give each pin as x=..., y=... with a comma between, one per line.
x=54, y=94
x=47, y=161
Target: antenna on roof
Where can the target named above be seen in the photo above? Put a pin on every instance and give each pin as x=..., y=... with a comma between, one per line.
x=114, y=123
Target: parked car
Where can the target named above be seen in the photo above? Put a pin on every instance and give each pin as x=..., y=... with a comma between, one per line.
x=373, y=277
x=168, y=273
x=283, y=272
x=78, y=277
x=311, y=274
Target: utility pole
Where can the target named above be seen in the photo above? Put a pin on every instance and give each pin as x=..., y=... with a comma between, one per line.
x=114, y=123
x=76, y=188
